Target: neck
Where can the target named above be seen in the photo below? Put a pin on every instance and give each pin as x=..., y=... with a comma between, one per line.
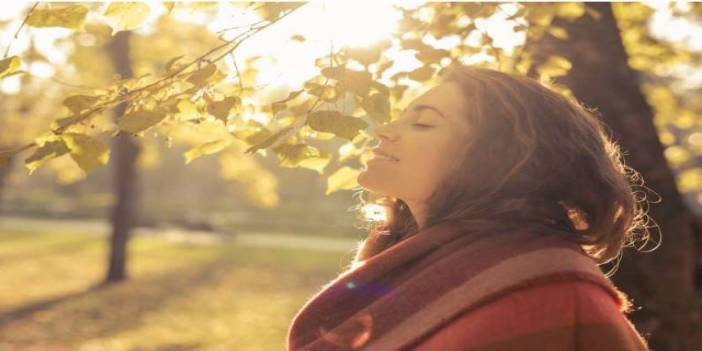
x=418, y=211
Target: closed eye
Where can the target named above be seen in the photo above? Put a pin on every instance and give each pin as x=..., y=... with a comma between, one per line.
x=422, y=125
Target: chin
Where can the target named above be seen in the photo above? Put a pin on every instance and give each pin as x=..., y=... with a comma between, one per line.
x=374, y=182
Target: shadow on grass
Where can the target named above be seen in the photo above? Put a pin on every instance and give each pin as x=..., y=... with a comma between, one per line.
x=104, y=310
x=175, y=347
x=58, y=248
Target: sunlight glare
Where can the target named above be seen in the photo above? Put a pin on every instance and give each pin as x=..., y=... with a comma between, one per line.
x=256, y=116
x=357, y=25
x=374, y=212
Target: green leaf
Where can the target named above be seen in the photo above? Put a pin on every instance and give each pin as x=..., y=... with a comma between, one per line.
x=344, y=178
x=71, y=16
x=126, y=15
x=334, y=122
x=221, y=108
x=138, y=121
x=49, y=151
x=208, y=148
x=80, y=103
x=87, y=151
x=9, y=66
x=302, y=155
x=378, y=106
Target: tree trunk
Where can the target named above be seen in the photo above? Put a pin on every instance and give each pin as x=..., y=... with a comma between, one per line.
x=4, y=173
x=124, y=156
x=661, y=282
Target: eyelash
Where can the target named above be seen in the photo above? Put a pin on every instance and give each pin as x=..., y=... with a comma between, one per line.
x=422, y=125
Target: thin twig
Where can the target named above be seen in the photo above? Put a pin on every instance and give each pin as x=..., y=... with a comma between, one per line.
x=238, y=74
x=12, y=40
x=133, y=93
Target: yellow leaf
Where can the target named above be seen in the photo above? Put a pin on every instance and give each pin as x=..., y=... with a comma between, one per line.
x=555, y=66
x=221, y=108
x=272, y=10
x=9, y=65
x=297, y=37
x=79, y=103
x=570, y=10
x=45, y=137
x=378, y=106
x=316, y=164
x=201, y=76
x=421, y=74
x=206, y=149
x=302, y=155
x=87, y=151
x=334, y=122
x=344, y=178
x=71, y=17
x=126, y=15
x=49, y=151
x=186, y=110
x=271, y=140
x=171, y=64
x=558, y=32
x=138, y=121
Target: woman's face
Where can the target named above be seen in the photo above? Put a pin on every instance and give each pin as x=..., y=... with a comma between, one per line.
x=426, y=141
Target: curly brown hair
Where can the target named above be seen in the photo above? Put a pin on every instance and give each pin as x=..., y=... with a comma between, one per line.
x=535, y=159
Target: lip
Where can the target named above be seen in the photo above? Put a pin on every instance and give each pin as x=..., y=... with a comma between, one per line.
x=378, y=152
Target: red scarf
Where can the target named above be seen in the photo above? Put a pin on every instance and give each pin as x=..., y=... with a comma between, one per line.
x=412, y=288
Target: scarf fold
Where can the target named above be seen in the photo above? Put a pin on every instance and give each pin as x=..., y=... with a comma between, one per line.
x=409, y=290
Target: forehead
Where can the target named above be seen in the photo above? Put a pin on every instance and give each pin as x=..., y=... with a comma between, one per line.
x=447, y=97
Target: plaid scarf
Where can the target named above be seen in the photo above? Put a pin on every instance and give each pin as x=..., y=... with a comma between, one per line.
x=411, y=289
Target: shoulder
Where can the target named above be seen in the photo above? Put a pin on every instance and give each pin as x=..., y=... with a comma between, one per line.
x=531, y=315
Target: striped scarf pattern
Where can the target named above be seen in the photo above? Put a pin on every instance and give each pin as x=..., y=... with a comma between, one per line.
x=403, y=294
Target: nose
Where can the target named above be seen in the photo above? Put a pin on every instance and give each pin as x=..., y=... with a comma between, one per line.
x=386, y=131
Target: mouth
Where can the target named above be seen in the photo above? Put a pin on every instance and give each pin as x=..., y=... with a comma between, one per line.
x=380, y=156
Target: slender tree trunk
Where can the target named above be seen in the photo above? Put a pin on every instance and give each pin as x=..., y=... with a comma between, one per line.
x=124, y=155
x=4, y=173
x=661, y=282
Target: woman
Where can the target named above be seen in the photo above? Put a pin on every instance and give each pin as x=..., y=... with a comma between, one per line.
x=503, y=197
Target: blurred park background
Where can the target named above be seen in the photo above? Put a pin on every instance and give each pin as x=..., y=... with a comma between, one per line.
x=157, y=194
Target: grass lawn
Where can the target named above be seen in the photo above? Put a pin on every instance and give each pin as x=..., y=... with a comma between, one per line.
x=178, y=297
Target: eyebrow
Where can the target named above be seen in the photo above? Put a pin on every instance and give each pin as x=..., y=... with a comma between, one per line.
x=427, y=107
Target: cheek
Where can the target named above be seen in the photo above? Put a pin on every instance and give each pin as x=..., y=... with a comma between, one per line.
x=427, y=167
